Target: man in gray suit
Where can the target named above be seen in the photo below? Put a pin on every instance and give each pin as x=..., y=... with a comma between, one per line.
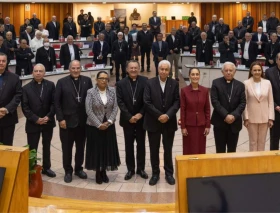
x=155, y=23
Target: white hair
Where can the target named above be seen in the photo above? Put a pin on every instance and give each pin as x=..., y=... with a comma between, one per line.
x=228, y=63
x=120, y=33
x=41, y=65
x=38, y=32
x=164, y=62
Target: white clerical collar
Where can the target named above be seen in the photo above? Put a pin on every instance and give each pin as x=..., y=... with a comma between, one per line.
x=204, y=41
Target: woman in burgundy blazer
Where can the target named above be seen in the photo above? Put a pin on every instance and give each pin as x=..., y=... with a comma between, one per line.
x=195, y=115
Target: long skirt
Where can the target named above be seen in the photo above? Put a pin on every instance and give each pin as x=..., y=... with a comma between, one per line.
x=195, y=141
x=102, y=149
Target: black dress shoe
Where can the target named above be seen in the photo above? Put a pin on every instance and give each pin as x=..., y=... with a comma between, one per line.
x=154, y=179
x=129, y=175
x=81, y=174
x=98, y=177
x=68, y=178
x=142, y=174
x=48, y=172
x=148, y=70
x=104, y=176
x=170, y=179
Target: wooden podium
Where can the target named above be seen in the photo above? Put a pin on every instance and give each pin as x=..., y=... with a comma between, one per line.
x=190, y=166
x=14, y=194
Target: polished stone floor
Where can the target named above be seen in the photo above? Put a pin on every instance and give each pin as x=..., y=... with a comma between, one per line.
x=136, y=190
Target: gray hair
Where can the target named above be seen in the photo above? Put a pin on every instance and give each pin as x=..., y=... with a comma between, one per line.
x=29, y=27
x=70, y=65
x=164, y=62
x=228, y=63
x=41, y=65
x=38, y=32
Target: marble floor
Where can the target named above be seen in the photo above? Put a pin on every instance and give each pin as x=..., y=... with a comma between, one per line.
x=136, y=190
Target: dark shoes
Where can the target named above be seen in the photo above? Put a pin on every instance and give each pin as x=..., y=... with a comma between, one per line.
x=81, y=174
x=142, y=174
x=170, y=179
x=129, y=175
x=68, y=178
x=48, y=172
x=101, y=177
x=148, y=70
x=104, y=177
x=154, y=179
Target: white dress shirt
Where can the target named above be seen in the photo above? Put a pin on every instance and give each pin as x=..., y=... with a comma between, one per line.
x=54, y=23
x=35, y=44
x=155, y=18
x=28, y=36
x=101, y=43
x=72, y=52
x=173, y=37
x=103, y=96
x=162, y=84
x=259, y=39
x=264, y=26
x=246, y=50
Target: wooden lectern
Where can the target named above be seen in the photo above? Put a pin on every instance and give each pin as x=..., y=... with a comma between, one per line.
x=190, y=166
x=14, y=194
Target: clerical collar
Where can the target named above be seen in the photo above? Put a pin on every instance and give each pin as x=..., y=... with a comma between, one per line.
x=145, y=31
x=38, y=82
x=204, y=41
x=74, y=78
x=46, y=48
x=227, y=81
x=133, y=79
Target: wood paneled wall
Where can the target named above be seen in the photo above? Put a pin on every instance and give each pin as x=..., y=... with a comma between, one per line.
x=232, y=12
x=17, y=12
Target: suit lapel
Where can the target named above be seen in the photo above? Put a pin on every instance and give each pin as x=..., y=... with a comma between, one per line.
x=5, y=81
x=251, y=86
x=159, y=89
x=167, y=89
x=72, y=88
x=128, y=87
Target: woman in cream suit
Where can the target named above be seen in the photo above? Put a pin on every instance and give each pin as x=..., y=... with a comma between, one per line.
x=259, y=111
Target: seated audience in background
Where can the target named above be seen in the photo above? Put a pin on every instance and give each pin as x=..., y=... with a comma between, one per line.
x=204, y=50
x=226, y=49
x=272, y=48
x=261, y=39
x=249, y=50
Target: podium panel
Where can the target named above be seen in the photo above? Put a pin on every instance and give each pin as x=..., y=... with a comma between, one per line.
x=213, y=165
x=14, y=194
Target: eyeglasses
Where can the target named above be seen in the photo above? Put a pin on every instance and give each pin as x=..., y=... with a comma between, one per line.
x=103, y=79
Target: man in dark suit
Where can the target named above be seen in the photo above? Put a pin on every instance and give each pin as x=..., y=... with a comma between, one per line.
x=53, y=27
x=162, y=101
x=213, y=23
x=99, y=26
x=69, y=28
x=261, y=39
x=23, y=59
x=4, y=49
x=115, y=25
x=70, y=111
x=204, y=50
x=10, y=96
x=272, y=74
x=248, y=22
x=239, y=32
x=11, y=45
x=186, y=40
x=272, y=48
x=46, y=55
x=69, y=52
x=155, y=23
x=273, y=22
x=145, y=41
x=229, y=101
x=128, y=38
x=233, y=40
x=27, y=35
x=130, y=92
x=226, y=49
x=85, y=26
x=10, y=27
x=195, y=32
x=26, y=23
x=192, y=19
x=264, y=24
x=249, y=50
x=160, y=51
x=210, y=35
x=100, y=50
x=221, y=29
x=38, y=107
x=80, y=17
x=34, y=21
x=120, y=55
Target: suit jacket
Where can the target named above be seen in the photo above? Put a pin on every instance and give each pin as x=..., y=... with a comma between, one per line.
x=35, y=22
x=53, y=30
x=97, y=51
x=65, y=57
x=4, y=49
x=145, y=40
x=109, y=38
x=211, y=25
x=154, y=24
x=234, y=41
x=260, y=24
x=115, y=26
x=10, y=97
x=69, y=29
x=23, y=35
x=227, y=52
x=98, y=27
x=160, y=53
x=195, y=32
x=264, y=39
x=85, y=28
x=220, y=30
x=271, y=50
x=129, y=43
x=259, y=109
x=273, y=23
x=10, y=27
x=120, y=54
x=239, y=32
x=186, y=40
x=222, y=106
x=11, y=44
x=67, y=106
x=249, y=21
x=23, y=28
x=208, y=51
x=272, y=74
x=172, y=45
x=195, y=113
x=42, y=56
x=23, y=59
x=95, y=108
x=253, y=51
x=36, y=105
x=125, y=99
x=154, y=107
x=210, y=36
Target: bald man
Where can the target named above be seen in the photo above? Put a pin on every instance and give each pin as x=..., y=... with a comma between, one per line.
x=34, y=21
x=53, y=27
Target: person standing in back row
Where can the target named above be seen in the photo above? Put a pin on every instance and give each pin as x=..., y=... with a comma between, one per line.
x=155, y=23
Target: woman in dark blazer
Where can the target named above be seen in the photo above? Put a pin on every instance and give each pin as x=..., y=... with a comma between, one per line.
x=195, y=115
x=102, y=149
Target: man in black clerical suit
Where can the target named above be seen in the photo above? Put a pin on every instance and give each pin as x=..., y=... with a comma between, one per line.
x=155, y=23
x=5, y=50
x=272, y=74
x=221, y=29
x=85, y=26
x=10, y=96
x=210, y=34
x=80, y=17
x=249, y=50
x=212, y=24
x=69, y=28
x=160, y=51
x=273, y=22
x=24, y=55
x=110, y=37
x=99, y=26
x=115, y=25
x=261, y=39
x=69, y=52
x=27, y=35
x=195, y=32
x=10, y=27
x=100, y=50
x=226, y=49
x=239, y=32
x=192, y=19
x=162, y=101
x=34, y=21
x=204, y=49
x=229, y=101
x=272, y=48
x=46, y=55
x=70, y=111
x=38, y=107
x=130, y=92
x=248, y=22
x=233, y=40
x=145, y=41
x=186, y=40
x=11, y=45
x=120, y=55
x=53, y=27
